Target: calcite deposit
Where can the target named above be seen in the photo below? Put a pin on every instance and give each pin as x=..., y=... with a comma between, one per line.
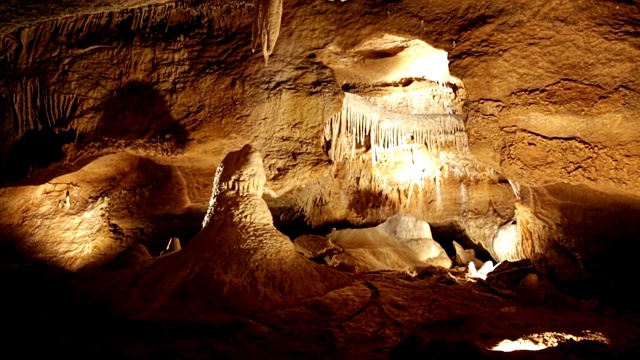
x=510, y=128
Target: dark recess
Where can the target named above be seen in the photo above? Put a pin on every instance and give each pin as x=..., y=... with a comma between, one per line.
x=138, y=111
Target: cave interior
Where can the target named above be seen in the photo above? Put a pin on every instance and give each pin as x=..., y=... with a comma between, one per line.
x=285, y=179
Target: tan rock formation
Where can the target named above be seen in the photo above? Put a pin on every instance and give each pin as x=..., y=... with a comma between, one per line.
x=401, y=243
x=267, y=16
x=315, y=246
x=513, y=121
x=109, y=200
x=135, y=254
x=239, y=263
x=172, y=246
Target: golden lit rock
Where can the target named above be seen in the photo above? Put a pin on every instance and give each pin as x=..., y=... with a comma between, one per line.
x=510, y=128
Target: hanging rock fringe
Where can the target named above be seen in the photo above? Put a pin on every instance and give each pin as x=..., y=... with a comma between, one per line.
x=360, y=121
x=267, y=16
x=34, y=106
x=37, y=103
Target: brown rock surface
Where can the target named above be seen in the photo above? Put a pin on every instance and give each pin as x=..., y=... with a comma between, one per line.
x=238, y=264
x=115, y=114
x=370, y=318
x=315, y=246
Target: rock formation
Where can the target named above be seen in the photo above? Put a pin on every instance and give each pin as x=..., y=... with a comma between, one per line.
x=401, y=243
x=83, y=82
x=267, y=15
x=172, y=246
x=315, y=246
x=238, y=264
x=509, y=127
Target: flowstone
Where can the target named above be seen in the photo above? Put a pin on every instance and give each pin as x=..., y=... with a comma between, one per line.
x=401, y=243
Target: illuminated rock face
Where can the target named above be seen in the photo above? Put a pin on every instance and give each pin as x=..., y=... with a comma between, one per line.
x=239, y=263
x=399, y=143
x=401, y=243
x=176, y=82
x=47, y=229
x=86, y=217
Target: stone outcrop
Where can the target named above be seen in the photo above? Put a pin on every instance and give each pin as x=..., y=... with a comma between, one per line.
x=401, y=243
x=85, y=218
x=315, y=246
x=238, y=264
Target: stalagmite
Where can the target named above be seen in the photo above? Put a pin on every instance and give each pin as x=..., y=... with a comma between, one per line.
x=238, y=264
x=266, y=25
x=172, y=246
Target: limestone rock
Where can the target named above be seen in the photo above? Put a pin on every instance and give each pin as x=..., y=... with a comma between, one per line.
x=134, y=254
x=481, y=273
x=108, y=200
x=504, y=244
x=464, y=257
x=239, y=263
x=315, y=246
x=172, y=246
x=367, y=251
x=533, y=290
x=406, y=227
x=388, y=246
x=80, y=80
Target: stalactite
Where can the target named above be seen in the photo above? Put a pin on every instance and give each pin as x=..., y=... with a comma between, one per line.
x=395, y=158
x=34, y=107
x=266, y=25
x=359, y=119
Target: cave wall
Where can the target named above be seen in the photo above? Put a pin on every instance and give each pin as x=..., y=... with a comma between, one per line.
x=552, y=95
x=148, y=79
x=555, y=93
x=162, y=82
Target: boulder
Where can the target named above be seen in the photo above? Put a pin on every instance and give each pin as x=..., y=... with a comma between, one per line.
x=401, y=243
x=315, y=246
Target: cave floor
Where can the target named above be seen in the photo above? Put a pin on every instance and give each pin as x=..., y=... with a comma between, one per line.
x=383, y=315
